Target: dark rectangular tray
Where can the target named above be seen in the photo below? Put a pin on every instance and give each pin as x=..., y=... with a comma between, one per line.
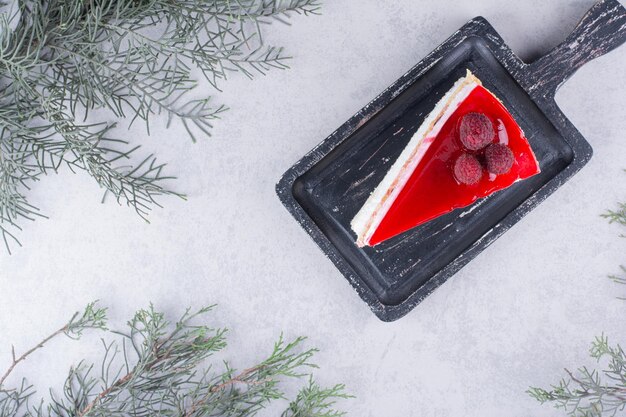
x=326, y=188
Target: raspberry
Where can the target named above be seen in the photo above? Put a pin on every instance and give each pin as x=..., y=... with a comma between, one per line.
x=499, y=158
x=467, y=169
x=476, y=131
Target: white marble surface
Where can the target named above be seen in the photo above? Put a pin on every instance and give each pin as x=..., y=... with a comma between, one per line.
x=516, y=316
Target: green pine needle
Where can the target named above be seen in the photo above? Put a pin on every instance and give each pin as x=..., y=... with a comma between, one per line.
x=617, y=216
x=61, y=59
x=158, y=368
x=593, y=393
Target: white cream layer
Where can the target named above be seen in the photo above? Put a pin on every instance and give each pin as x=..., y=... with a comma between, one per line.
x=377, y=205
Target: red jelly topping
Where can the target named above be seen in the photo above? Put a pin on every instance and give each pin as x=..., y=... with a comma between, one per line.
x=432, y=190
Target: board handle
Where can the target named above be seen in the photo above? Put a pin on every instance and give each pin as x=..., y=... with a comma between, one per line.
x=601, y=30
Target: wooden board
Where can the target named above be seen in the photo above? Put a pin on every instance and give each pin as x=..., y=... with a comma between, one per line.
x=327, y=187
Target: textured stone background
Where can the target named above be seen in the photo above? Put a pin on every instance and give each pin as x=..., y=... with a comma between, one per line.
x=521, y=311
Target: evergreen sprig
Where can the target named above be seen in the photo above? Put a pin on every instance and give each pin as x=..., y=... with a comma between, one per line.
x=62, y=59
x=617, y=216
x=620, y=279
x=155, y=368
x=315, y=401
x=593, y=393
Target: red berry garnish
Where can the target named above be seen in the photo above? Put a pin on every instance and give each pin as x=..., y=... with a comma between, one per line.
x=467, y=169
x=499, y=158
x=476, y=131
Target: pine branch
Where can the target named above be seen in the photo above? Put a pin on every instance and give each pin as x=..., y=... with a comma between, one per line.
x=91, y=318
x=315, y=401
x=60, y=59
x=620, y=279
x=158, y=368
x=617, y=216
x=585, y=393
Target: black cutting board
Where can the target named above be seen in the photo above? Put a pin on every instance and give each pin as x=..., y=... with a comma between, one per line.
x=328, y=186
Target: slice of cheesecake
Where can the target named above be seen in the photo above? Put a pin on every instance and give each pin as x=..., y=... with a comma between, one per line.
x=467, y=148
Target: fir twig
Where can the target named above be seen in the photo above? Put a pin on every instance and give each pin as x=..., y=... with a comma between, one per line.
x=592, y=393
x=586, y=393
x=617, y=216
x=60, y=60
x=620, y=279
x=92, y=317
x=158, y=368
x=315, y=401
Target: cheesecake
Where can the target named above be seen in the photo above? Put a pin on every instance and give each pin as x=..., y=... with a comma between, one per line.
x=468, y=147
